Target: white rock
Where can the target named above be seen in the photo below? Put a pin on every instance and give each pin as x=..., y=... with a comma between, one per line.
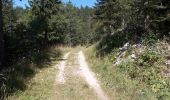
x=117, y=62
x=167, y=62
x=126, y=45
x=133, y=56
x=168, y=47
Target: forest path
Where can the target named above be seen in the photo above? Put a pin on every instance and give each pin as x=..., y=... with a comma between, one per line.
x=90, y=77
x=75, y=81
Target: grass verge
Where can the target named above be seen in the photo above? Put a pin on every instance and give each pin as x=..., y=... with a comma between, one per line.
x=117, y=84
x=32, y=79
x=40, y=87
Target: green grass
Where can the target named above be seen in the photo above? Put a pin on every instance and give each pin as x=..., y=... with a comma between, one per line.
x=34, y=78
x=40, y=87
x=36, y=81
x=117, y=84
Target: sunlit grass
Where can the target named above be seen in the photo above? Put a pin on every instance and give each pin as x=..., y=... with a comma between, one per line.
x=35, y=81
x=117, y=84
x=41, y=87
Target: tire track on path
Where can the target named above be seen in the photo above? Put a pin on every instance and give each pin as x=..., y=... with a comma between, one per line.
x=90, y=77
x=60, y=79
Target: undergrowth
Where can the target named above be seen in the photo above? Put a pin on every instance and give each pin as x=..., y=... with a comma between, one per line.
x=17, y=78
x=147, y=69
x=141, y=79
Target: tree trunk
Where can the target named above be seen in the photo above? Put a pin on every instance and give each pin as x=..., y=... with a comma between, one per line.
x=1, y=36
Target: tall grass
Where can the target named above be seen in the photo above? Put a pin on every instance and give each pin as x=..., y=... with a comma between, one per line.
x=17, y=78
x=117, y=83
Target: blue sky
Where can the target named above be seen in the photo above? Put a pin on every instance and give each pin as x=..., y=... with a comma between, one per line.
x=77, y=3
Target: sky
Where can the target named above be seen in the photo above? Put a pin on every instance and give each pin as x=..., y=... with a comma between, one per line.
x=77, y=3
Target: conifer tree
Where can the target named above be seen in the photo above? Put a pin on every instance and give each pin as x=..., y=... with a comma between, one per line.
x=107, y=11
x=43, y=10
x=1, y=34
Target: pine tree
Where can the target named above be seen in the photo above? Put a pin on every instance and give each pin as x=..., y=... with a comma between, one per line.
x=160, y=16
x=107, y=12
x=151, y=16
x=43, y=10
x=1, y=34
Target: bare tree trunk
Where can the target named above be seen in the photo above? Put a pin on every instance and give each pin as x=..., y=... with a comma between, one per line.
x=1, y=36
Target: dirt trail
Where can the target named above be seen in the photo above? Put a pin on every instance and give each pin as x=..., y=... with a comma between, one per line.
x=81, y=81
x=90, y=77
x=60, y=77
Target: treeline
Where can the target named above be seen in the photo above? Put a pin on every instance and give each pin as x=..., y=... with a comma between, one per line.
x=41, y=24
x=44, y=23
x=132, y=21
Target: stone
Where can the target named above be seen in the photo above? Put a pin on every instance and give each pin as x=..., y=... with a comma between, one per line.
x=167, y=62
x=133, y=56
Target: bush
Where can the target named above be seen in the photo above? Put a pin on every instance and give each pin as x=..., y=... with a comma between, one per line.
x=147, y=70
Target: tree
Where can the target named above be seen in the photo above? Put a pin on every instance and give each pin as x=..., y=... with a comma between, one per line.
x=160, y=17
x=1, y=35
x=151, y=17
x=43, y=10
x=109, y=13
x=3, y=6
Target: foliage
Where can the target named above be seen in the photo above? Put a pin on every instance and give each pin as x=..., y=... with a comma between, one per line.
x=29, y=32
x=140, y=20
x=44, y=23
x=115, y=80
x=147, y=70
x=17, y=78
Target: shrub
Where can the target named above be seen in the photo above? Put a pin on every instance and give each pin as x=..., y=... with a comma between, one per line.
x=147, y=70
